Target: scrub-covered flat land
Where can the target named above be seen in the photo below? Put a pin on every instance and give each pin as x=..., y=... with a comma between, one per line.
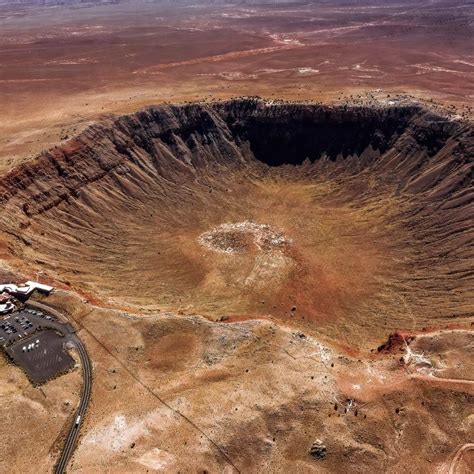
x=62, y=66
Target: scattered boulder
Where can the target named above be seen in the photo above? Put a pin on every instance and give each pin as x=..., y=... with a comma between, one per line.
x=318, y=450
x=395, y=342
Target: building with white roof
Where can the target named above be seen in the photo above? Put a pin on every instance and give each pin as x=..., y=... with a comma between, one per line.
x=21, y=292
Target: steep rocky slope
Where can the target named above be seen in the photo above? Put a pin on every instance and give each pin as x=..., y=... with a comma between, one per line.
x=375, y=206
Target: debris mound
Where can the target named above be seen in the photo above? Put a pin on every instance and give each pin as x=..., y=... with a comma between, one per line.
x=318, y=450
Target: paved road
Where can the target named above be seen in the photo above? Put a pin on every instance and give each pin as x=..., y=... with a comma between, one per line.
x=73, y=433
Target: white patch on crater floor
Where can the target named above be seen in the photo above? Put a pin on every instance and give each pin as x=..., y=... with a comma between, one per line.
x=271, y=263
x=229, y=238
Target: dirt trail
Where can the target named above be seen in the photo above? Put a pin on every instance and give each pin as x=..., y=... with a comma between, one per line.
x=457, y=456
x=233, y=55
x=433, y=378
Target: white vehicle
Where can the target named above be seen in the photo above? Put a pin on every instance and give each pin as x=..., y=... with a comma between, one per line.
x=78, y=420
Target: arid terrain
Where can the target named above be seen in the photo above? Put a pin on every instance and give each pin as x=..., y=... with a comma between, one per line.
x=263, y=285
x=61, y=67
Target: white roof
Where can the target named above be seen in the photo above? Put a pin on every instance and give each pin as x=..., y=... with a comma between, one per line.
x=39, y=286
x=12, y=288
x=27, y=288
x=4, y=308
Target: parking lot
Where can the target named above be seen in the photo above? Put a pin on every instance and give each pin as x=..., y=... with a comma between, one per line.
x=35, y=341
x=42, y=355
x=21, y=324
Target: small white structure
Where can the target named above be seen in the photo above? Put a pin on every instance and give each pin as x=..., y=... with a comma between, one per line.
x=23, y=292
x=46, y=289
x=6, y=307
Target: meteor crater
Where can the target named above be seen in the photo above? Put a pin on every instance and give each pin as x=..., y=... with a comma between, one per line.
x=358, y=216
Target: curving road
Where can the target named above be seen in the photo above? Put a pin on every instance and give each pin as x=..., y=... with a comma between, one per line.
x=457, y=456
x=73, y=433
